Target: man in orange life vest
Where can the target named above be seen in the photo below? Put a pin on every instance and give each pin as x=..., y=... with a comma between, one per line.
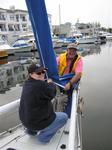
x=70, y=62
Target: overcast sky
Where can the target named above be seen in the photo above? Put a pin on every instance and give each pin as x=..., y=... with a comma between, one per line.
x=71, y=10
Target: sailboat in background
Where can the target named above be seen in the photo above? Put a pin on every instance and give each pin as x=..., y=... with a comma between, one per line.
x=69, y=137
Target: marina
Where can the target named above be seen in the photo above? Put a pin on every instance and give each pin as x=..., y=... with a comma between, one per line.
x=82, y=92
x=47, y=60
x=97, y=106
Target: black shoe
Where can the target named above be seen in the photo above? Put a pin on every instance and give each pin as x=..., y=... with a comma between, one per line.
x=31, y=132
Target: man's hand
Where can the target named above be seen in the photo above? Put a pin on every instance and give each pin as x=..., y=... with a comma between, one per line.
x=67, y=86
x=49, y=81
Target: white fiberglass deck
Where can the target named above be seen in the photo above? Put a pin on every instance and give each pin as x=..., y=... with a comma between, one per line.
x=19, y=140
x=68, y=138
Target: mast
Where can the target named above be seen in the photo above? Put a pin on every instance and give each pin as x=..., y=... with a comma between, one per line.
x=59, y=20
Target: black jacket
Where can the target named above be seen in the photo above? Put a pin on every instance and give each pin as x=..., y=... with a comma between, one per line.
x=36, y=110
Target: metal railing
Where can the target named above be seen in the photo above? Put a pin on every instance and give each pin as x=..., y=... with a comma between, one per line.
x=75, y=134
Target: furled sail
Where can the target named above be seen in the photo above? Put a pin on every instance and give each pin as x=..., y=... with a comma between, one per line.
x=39, y=19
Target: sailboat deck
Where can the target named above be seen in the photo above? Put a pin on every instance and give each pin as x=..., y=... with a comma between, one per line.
x=19, y=140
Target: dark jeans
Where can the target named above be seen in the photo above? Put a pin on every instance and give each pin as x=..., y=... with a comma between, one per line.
x=47, y=133
x=69, y=102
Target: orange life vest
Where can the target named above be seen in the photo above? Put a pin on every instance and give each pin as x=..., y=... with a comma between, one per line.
x=62, y=63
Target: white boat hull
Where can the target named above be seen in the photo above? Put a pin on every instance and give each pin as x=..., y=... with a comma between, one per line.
x=88, y=40
x=7, y=48
x=109, y=37
x=22, y=49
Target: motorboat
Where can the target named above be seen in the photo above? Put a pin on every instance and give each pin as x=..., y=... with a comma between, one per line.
x=68, y=40
x=89, y=40
x=62, y=42
x=6, y=47
x=22, y=45
x=102, y=38
x=29, y=38
x=109, y=36
x=105, y=35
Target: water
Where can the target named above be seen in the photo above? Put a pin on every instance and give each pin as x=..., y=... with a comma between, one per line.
x=96, y=88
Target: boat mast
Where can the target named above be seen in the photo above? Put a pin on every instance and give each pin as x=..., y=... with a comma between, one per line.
x=59, y=20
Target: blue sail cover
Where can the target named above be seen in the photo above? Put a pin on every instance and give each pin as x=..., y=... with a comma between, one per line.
x=39, y=19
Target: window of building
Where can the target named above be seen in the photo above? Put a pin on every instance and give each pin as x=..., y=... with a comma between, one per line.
x=12, y=17
x=10, y=27
x=23, y=17
x=17, y=18
x=24, y=26
x=3, y=27
x=2, y=16
x=17, y=27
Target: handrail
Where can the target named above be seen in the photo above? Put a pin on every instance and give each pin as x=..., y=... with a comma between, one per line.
x=72, y=145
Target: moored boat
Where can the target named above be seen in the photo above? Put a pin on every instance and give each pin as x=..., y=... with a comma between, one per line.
x=5, y=46
x=109, y=36
x=68, y=40
x=29, y=39
x=22, y=45
x=89, y=40
x=102, y=38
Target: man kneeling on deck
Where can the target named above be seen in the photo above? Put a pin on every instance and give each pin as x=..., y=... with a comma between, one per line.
x=36, y=110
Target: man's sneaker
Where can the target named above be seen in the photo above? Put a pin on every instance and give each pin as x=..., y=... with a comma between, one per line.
x=31, y=132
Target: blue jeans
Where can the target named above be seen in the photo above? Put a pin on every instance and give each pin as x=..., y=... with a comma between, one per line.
x=47, y=133
x=69, y=102
x=68, y=107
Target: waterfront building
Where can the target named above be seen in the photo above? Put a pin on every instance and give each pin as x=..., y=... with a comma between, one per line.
x=62, y=29
x=87, y=29
x=14, y=22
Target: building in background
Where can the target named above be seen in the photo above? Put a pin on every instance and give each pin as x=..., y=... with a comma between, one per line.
x=14, y=22
x=88, y=29
x=62, y=30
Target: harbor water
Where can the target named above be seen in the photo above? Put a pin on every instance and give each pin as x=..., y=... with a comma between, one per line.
x=96, y=89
